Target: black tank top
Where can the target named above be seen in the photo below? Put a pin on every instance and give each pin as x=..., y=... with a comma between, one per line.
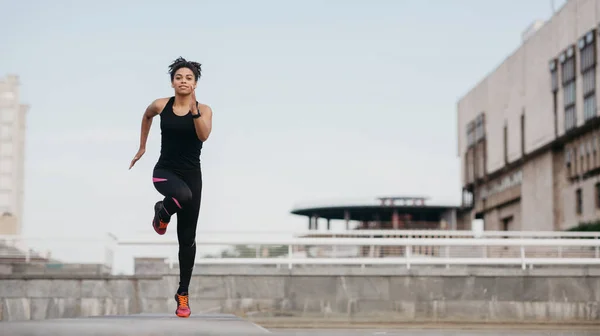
x=180, y=147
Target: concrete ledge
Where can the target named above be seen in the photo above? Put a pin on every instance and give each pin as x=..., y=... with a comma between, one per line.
x=77, y=277
x=245, y=270
x=448, y=297
x=375, y=323
x=242, y=270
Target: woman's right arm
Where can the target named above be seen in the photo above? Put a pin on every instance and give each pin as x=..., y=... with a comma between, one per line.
x=151, y=111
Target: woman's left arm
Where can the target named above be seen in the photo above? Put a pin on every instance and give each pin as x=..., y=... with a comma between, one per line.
x=203, y=123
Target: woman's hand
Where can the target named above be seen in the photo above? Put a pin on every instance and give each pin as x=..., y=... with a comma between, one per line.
x=193, y=103
x=137, y=157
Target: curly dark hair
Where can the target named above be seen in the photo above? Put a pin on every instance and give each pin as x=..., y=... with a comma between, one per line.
x=183, y=63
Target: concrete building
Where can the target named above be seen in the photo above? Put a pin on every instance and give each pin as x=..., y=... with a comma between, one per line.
x=12, y=149
x=529, y=132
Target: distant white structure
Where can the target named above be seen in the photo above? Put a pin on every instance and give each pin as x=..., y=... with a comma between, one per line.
x=532, y=29
x=12, y=155
x=477, y=226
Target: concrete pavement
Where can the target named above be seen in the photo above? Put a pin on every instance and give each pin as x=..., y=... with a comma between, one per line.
x=225, y=324
x=433, y=332
x=411, y=332
x=138, y=325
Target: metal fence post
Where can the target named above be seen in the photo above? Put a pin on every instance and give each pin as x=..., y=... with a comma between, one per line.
x=290, y=256
x=408, y=253
x=523, y=266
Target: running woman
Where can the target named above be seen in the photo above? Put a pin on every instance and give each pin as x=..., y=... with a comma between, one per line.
x=185, y=125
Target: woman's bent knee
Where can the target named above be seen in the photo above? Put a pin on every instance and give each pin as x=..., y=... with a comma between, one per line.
x=182, y=197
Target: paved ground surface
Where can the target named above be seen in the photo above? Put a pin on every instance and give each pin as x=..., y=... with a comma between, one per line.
x=223, y=325
x=138, y=325
x=432, y=332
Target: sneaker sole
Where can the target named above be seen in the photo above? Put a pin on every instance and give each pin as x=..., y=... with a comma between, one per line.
x=156, y=209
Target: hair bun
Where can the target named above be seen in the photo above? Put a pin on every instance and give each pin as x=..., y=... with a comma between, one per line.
x=182, y=62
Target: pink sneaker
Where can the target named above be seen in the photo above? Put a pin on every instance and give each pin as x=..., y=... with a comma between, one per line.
x=158, y=224
x=183, y=308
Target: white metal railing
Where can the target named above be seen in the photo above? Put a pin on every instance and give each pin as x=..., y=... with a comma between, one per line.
x=513, y=250
x=380, y=234
x=450, y=233
x=356, y=247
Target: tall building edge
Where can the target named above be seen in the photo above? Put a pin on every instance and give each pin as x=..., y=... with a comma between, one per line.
x=13, y=123
x=529, y=132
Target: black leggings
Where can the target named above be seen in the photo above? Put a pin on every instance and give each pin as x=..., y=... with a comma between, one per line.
x=183, y=193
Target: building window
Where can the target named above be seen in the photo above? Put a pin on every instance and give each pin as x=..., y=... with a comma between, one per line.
x=554, y=87
x=589, y=96
x=571, y=161
x=567, y=60
x=594, y=145
x=467, y=169
x=553, y=76
x=581, y=165
x=470, y=134
x=587, y=47
x=578, y=202
x=598, y=195
x=479, y=128
x=589, y=164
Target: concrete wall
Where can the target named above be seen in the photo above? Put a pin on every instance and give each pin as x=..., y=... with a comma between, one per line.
x=559, y=182
x=521, y=83
x=537, y=190
x=494, y=218
x=590, y=211
x=379, y=293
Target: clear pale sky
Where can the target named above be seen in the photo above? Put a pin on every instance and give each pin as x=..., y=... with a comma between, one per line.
x=312, y=100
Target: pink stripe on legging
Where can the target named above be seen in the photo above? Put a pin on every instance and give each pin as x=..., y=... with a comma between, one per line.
x=177, y=202
x=158, y=179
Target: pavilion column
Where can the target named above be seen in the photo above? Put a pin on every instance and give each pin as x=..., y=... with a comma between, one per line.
x=313, y=222
x=328, y=224
x=395, y=219
x=347, y=219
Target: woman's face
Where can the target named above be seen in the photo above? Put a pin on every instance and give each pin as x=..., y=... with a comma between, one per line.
x=184, y=81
